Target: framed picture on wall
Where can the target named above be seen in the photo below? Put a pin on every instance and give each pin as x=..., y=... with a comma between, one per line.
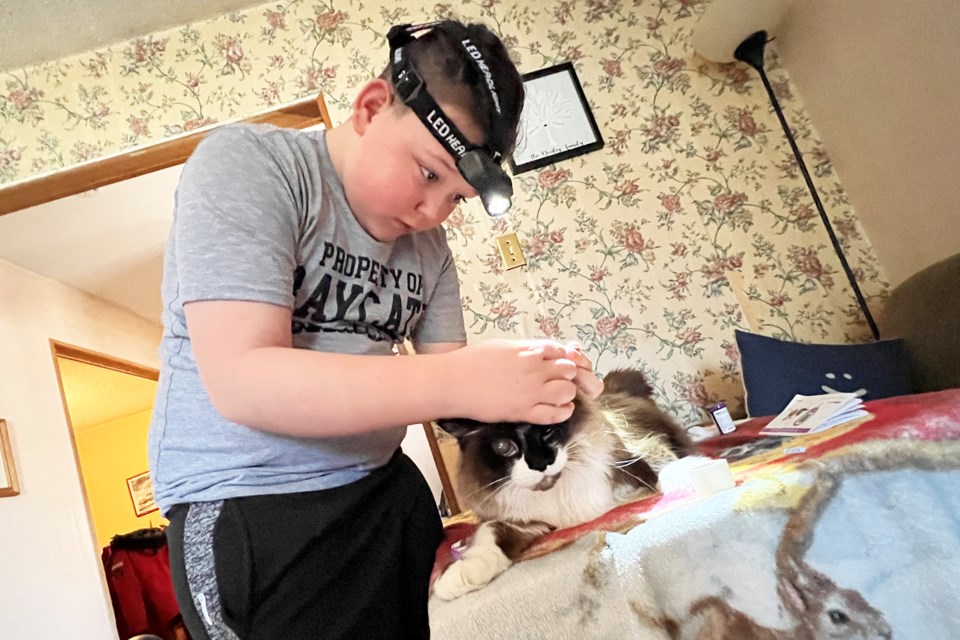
x=556, y=123
x=8, y=473
x=141, y=494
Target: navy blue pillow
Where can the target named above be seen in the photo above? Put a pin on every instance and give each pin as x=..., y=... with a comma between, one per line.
x=774, y=370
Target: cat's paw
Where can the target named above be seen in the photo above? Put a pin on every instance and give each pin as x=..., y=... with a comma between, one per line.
x=464, y=576
x=482, y=561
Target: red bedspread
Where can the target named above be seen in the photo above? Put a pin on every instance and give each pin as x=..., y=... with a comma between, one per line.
x=929, y=416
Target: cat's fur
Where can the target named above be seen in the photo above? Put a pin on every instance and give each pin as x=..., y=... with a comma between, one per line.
x=524, y=480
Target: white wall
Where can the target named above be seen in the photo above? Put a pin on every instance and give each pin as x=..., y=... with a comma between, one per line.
x=50, y=584
x=879, y=78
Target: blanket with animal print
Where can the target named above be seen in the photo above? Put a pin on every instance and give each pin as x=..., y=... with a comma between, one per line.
x=853, y=532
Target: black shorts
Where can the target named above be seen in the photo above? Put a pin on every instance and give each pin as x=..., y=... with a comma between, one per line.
x=351, y=562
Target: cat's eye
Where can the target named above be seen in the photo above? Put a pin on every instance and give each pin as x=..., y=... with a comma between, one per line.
x=550, y=435
x=838, y=617
x=504, y=447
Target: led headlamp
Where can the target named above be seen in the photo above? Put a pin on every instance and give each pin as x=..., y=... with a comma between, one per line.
x=479, y=165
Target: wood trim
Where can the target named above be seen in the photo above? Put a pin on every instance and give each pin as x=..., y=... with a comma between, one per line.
x=63, y=350
x=137, y=162
x=449, y=491
x=12, y=487
x=445, y=482
x=79, y=354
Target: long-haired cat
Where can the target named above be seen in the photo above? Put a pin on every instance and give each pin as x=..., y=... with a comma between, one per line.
x=524, y=480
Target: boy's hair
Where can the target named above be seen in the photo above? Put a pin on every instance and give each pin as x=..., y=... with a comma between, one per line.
x=452, y=77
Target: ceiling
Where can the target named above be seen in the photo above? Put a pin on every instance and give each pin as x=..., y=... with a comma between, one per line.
x=96, y=395
x=108, y=242
x=36, y=31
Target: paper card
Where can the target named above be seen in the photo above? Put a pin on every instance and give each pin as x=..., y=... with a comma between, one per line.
x=810, y=414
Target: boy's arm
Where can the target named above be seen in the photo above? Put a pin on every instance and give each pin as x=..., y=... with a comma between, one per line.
x=438, y=347
x=254, y=377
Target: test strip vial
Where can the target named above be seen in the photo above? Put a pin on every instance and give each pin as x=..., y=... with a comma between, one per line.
x=721, y=417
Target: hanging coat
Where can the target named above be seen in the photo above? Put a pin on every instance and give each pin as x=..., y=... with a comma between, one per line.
x=138, y=576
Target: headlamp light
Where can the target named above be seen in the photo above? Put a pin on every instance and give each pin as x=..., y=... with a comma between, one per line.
x=488, y=179
x=479, y=166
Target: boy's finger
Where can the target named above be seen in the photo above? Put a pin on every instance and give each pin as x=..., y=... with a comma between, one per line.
x=589, y=384
x=564, y=368
x=549, y=413
x=551, y=350
x=558, y=392
x=580, y=360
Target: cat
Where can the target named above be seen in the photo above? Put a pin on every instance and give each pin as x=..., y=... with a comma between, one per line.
x=524, y=480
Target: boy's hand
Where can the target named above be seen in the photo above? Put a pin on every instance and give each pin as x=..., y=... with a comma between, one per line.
x=517, y=381
x=586, y=381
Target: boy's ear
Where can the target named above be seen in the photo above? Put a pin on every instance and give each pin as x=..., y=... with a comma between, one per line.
x=374, y=97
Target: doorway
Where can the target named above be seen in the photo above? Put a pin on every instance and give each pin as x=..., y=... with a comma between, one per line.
x=107, y=402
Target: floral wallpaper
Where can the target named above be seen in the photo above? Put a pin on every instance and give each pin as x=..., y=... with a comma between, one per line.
x=693, y=219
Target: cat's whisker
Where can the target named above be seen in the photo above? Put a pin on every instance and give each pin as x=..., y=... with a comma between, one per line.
x=640, y=480
x=499, y=489
x=497, y=481
x=609, y=432
x=487, y=486
x=618, y=435
x=631, y=452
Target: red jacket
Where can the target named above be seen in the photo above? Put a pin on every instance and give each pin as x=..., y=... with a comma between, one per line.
x=141, y=589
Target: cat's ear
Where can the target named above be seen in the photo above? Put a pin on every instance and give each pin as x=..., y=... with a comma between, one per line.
x=459, y=428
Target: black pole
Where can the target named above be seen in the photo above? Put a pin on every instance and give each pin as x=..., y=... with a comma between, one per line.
x=751, y=51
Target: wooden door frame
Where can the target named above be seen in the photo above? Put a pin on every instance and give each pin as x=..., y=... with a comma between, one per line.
x=66, y=351
x=130, y=164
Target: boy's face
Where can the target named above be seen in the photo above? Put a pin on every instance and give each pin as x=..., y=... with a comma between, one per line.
x=401, y=179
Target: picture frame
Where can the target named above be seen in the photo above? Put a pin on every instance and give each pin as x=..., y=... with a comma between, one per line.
x=556, y=122
x=140, y=488
x=9, y=484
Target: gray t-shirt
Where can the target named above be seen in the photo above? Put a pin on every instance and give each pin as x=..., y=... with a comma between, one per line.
x=261, y=216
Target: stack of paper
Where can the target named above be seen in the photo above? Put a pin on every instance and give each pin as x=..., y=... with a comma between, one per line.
x=810, y=414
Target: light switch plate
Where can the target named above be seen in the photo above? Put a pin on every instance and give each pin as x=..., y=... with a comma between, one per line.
x=510, y=251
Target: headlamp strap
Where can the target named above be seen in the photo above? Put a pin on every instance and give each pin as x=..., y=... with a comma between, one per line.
x=477, y=59
x=440, y=126
x=409, y=86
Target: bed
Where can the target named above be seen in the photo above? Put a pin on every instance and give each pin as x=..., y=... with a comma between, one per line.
x=853, y=532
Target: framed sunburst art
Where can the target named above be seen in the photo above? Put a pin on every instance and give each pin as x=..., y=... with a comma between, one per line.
x=556, y=123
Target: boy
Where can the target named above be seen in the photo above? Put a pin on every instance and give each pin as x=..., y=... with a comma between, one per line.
x=295, y=262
